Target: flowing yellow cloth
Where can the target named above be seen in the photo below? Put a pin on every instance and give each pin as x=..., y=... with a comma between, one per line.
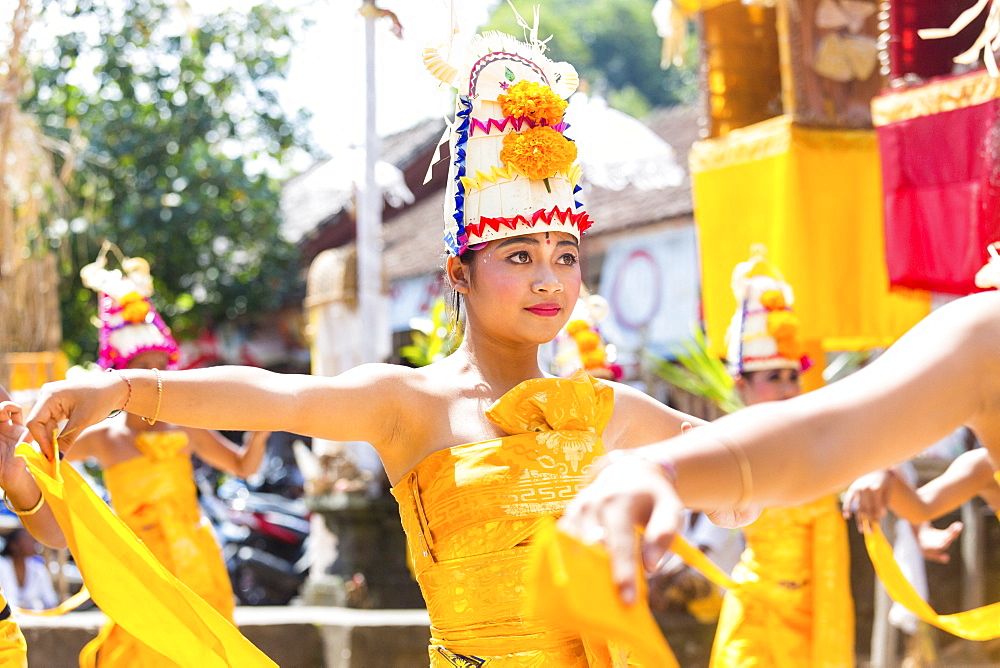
x=978, y=624
x=70, y=604
x=814, y=198
x=560, y=566
x=792, y=605
x=471, y=511
x=156, y=497
x=129, y=584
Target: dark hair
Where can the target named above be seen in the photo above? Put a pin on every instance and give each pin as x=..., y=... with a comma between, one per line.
x=467, y=258
x=9, y=541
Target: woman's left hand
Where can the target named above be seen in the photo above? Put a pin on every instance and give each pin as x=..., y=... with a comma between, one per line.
x=12, y=433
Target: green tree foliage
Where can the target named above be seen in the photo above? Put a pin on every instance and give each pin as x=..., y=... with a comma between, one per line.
x=613, y=45
x=433, y=340
x=179, y=141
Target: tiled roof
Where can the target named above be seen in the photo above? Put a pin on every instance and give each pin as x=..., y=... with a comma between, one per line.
x=413, y=237
x=613, y=211
x=319, y=195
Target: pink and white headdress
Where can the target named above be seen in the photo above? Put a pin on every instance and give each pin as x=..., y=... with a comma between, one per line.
x=129, y=323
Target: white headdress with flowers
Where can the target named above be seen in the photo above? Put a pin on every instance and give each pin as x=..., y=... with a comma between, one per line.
x=513, y=170
x=764, y=332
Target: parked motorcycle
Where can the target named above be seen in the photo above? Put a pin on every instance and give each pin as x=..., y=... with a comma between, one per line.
x=264, y=541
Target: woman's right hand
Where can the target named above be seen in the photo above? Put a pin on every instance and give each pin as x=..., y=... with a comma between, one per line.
x=868, y=498
x=80, y=402
x=628, y=492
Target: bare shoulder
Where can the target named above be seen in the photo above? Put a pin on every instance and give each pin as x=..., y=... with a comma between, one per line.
x=639, y=419
x=95, y=441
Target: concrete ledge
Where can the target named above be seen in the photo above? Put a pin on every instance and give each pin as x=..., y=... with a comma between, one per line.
x=292, y=636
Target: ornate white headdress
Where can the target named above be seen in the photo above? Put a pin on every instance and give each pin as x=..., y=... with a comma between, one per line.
x=764, y=332
x=513, y=171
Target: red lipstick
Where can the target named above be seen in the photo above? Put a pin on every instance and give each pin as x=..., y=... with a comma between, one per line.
x=546, y=310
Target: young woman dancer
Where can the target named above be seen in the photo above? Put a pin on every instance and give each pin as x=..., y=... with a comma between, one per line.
x=147, y=464
x=797, y=608
x=480, y=447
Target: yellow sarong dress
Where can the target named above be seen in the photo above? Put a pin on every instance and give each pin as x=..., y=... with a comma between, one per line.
x=156, y=497
x=793, y=608
x=13, y=648
x=470, y=512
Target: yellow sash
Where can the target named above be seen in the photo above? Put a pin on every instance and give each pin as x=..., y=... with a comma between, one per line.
x=571, y=587
x=70, y=604
x=127, y=582
x=979, y=624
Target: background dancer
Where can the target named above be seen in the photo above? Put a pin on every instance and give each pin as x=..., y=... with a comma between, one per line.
x=147, y=463
x=797, y=609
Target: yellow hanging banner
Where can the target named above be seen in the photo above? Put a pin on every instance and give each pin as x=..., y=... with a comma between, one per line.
x=813, y=197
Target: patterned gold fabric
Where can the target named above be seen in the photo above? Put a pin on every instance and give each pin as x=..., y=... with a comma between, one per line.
x=470, y=512
x=155, y=496
x=793, y=607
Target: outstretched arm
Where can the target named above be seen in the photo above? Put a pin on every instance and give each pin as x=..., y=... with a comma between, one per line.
x=358, y=405
x=218, y=451
x=969, y=475
x=942, y=374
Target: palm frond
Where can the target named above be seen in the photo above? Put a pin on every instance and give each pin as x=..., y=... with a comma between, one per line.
x=699, y=372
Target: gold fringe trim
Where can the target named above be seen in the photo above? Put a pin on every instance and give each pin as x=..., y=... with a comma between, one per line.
x=935, y=98
x=771, y=138
x=495, y=175
x=694, y=6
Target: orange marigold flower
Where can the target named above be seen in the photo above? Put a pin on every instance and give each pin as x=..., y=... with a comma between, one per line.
x=593, y=360
x=134, y=307
x=789, y=348
x=534, y=101
x=782, y=325
x=587, y=340
x=773, y=300
x=574, y=326
x=539, y=152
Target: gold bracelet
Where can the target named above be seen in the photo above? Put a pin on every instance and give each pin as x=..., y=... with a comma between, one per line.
x=24, y=513
x=159, y=398
x=746, y=476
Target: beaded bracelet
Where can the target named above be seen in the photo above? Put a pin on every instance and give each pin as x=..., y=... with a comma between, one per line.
x=128, y=397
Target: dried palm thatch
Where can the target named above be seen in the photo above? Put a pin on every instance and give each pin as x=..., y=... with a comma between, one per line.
x=30, y=194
